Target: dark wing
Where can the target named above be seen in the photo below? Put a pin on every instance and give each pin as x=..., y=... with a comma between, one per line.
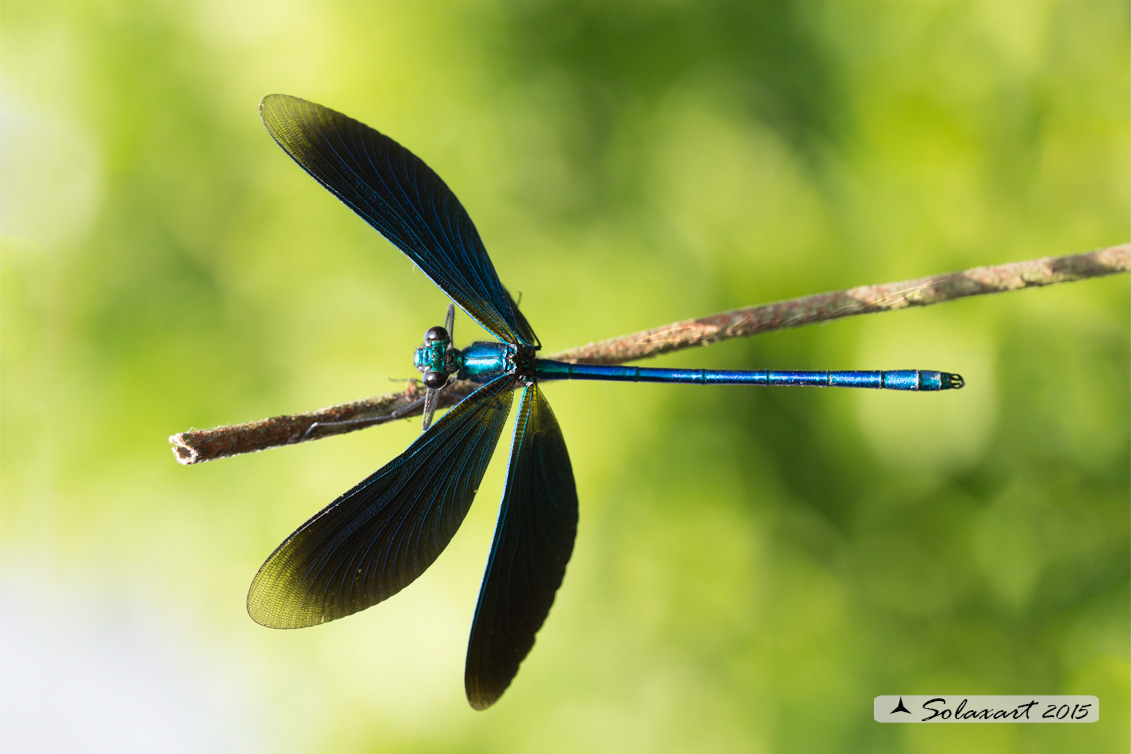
x=377, y=538
x=533, y=542
x=395, y=192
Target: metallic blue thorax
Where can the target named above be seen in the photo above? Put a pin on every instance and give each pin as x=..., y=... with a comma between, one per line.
x=479, y=362
x=482, y=362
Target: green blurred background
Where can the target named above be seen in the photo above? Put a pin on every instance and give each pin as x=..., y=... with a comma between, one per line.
x=752, y=566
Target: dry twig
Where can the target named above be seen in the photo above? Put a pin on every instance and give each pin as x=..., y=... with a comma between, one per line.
x=197, y=446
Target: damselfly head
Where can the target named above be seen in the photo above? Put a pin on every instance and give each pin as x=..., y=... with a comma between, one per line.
x=434, y=357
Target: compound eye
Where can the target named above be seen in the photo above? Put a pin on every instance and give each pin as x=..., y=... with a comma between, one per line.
x=435, y=380
x=436, y=333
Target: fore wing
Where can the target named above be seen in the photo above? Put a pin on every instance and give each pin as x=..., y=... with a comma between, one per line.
x=395, y=192
x=381, y=535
